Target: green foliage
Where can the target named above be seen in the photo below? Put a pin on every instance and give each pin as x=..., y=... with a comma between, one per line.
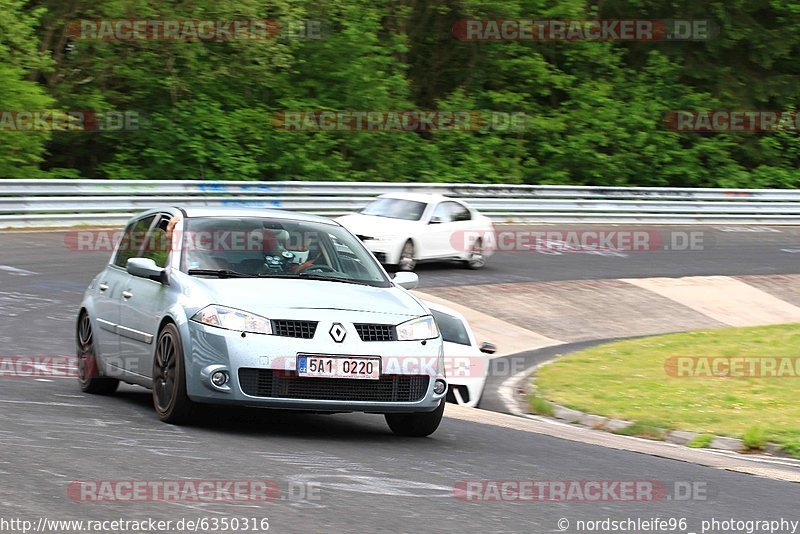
x=643, y=430
x=702, y=441
x=539, y=405
x=20, y=152
x=792, y=449
x=755, y=439
x=594, y=110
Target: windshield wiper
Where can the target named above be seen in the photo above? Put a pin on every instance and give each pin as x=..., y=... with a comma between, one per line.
x=222, y=273
x=323, y=278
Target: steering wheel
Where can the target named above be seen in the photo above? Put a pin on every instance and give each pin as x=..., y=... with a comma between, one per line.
x=312, y=267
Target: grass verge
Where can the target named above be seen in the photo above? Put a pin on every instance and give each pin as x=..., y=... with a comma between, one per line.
x=638, y=380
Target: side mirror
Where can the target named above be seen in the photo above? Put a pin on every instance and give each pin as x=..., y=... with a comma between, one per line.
x=436, y=220
x=147, y=268
x=488, y=348
x=406, y=280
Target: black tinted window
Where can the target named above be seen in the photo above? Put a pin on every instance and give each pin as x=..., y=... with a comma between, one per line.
x=453, y=330
x=158, y=246
x=132, y=241
x=459, y=212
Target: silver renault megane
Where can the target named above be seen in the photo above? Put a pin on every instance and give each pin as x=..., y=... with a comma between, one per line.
x=259, y=308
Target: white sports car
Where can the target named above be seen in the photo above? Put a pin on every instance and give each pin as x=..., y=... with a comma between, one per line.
x=467, y=363
x=405, y=228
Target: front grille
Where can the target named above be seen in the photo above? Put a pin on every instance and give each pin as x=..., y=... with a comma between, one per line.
x=364, y=237
x=287, y=328
x=380, y=256
x=287, y=385
x=376, y=332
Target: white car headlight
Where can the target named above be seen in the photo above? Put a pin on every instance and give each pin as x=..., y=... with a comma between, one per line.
x=386, y=238
x=232, y=319
x=418, y=329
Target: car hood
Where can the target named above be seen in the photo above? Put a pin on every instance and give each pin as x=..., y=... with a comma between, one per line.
x=372, y=226
x=265, y=296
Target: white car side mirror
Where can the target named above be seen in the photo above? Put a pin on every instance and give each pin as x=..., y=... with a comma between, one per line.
x=407, y=280
x=488, y=348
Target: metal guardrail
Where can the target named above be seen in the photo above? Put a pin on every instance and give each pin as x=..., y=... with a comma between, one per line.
x=50, y=203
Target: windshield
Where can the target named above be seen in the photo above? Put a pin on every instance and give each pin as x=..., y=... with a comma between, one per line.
x=395, y=208
x=452, y=328
x=264, y=247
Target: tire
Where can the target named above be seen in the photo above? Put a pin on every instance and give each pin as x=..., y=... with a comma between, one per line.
x=89, y=377
x=406, y=262
x=477, y=259
x=416, y=425
x=170, y=400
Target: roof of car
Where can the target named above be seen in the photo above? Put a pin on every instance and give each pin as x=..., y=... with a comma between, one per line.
x=417, y=197
x=205, y=211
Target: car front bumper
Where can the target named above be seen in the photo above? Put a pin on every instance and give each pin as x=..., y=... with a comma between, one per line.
x=386, y=251
x=261, y=371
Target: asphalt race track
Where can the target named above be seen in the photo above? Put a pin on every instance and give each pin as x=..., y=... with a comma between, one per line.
x=734, y=251
x=340, y=473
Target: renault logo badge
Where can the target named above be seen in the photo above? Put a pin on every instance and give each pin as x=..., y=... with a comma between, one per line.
x=338, y=333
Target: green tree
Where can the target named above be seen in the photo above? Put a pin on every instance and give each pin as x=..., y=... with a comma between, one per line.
x=21, y=153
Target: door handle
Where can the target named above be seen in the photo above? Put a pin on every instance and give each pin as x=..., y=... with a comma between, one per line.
x=126, y=295
x=103, y=287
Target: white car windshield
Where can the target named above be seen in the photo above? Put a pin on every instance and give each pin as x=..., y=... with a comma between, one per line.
x=395, y=208
x=276, y=248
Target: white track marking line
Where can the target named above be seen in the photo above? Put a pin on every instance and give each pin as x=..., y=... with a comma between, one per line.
x=65, y=404
x=17, y=271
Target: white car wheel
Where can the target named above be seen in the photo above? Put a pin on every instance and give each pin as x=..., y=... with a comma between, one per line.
x=476, y=258
x=407, y=261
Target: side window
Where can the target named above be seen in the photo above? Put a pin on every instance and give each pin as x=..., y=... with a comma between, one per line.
x=132, y=241
x=459, y=212
x=442, y=212
x=347, y=259
x=157, y=248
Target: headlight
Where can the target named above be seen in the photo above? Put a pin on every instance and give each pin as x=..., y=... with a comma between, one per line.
x=232, y=319
x=386, y=238
x=418, y=329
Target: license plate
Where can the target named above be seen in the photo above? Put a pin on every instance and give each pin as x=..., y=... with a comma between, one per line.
x=339, y=367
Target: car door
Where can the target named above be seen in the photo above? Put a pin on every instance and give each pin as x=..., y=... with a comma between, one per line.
x=143, y=304
x=440, y=231
x=106, y=311
x=462, y=224
x=108, y=297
